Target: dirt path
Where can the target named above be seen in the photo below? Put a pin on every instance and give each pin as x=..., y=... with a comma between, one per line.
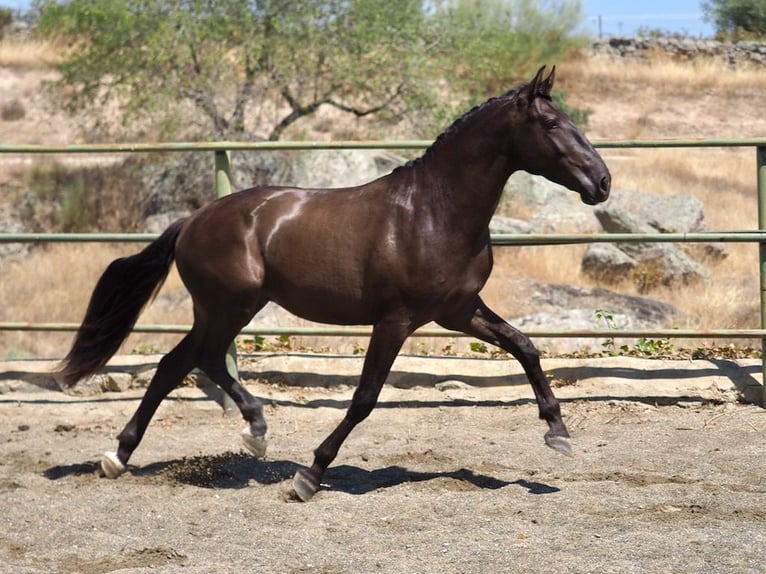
x=446, y=478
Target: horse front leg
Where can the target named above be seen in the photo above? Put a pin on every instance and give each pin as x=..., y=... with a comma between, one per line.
x=481, y=322
x=385, y=343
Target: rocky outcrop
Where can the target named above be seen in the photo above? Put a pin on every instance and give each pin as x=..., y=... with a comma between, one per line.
x=539, y=206
x=185, y=183
x=567, y=307
x=647, y=265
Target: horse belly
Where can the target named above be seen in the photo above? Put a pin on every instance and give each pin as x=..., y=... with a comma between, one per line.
x=316, y=286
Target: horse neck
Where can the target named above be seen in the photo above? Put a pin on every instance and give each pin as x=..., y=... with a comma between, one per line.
x=464, y=179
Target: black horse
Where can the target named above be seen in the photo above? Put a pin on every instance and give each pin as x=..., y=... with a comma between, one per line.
x=408, y=248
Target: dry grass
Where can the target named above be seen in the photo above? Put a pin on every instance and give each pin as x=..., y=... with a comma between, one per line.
x=52, y=285
x=25, y=54
x=664, y=75
x=654, y=99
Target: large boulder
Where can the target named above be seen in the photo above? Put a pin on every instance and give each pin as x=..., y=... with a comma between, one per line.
x=187, y=181
x=647, y=265
x=340, y=168
x=547, y=206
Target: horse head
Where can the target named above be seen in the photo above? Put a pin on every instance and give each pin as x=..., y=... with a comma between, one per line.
x=547, y=143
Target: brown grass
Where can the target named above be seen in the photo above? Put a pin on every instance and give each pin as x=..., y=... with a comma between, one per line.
x=656, y=99
x=663, y=75
x=25, y=54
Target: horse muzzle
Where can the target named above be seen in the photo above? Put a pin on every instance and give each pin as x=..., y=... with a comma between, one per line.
x=597, y=192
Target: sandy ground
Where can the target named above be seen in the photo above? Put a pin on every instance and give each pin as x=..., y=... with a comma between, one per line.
x=448, y=476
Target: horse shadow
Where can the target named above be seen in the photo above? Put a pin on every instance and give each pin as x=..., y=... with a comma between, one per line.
x=240, y=470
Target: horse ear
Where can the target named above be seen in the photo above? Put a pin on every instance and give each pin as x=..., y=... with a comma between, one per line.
x=531, y=90
x=547, y=85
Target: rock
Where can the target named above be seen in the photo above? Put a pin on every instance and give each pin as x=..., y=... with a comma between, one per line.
x=683, y=49
x=451, y=385
x=159, y=222
x=187, y=182
x=548, y=207
x=567, y=307
x=606, y=263
x=647, y=265
x=500, y=224
x=664, y=213
x=10, y=222
x=116, y=382
x=340, y=168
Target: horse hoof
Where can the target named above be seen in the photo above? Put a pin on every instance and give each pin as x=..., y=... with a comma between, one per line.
x=255, y=444
x=111, y=466
x=560, y=444
x=304, y=486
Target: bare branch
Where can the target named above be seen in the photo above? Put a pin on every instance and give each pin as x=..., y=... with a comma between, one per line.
x=360, y=113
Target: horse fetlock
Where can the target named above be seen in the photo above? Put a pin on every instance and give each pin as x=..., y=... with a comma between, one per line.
x=111, y=465
x=255, y=443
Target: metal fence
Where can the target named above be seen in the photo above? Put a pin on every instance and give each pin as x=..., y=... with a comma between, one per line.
x=222, y=152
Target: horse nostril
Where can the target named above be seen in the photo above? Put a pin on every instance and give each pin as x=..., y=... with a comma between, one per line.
x=605, y=183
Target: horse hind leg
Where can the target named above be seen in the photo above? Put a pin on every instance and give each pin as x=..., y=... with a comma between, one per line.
x=213, y=362
x=171, y=370
x=254, y=435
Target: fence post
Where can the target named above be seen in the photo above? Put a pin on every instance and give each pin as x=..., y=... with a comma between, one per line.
x=222, y=172
x=761, y=151
x=223, y=187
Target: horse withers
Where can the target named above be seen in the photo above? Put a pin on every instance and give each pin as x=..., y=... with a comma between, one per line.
x=396, y=253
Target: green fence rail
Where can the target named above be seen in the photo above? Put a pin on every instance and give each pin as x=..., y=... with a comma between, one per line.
x=223, y=149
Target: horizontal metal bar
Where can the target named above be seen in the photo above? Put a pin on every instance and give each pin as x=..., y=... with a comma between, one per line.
x=212, y=146
x=681, y=143
x=77, y=237
x=330, y=331
x=497, y=238
x=572, y=238
x=142, y=147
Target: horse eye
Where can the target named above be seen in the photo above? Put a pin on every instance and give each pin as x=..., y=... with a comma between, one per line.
x=550, y=124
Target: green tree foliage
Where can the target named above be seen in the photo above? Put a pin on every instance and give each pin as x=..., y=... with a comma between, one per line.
x=280, y=60
x=737, y=18
x=495, y=43
x=225, y=56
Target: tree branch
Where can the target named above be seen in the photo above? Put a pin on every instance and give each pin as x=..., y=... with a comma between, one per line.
x=205, y=103
x=298, y=111
x=374, y=110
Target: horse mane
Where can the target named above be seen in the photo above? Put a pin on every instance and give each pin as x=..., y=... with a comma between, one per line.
x=509, y=96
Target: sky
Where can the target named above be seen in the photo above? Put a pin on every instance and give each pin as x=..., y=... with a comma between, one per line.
x=624, y=18
x=621, y=18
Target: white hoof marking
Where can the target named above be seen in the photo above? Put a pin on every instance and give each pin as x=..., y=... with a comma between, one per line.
x=560, y=444
x=111, y=465
x=255, y=444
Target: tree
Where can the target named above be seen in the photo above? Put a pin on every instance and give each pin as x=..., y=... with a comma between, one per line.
x=232, y=58
x=232, y=62
x=494, y=43
x=737, y=18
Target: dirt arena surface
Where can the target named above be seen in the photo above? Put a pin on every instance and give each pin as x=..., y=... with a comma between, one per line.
x=443, y=478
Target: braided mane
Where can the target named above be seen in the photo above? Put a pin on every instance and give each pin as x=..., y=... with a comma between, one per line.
x=509, y=96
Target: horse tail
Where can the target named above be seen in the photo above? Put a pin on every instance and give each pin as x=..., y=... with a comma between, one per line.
x=123, y=290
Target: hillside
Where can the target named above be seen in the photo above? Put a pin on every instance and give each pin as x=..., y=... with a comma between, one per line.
x=628, y=99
